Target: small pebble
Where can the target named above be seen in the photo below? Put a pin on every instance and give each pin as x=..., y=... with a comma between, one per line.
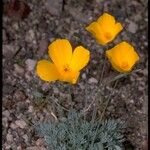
x=13, y=126
x=25, y=137
x=19, y=69
x=30, y=64
x=93, y=81
x=83, y=76
x=8, y=147
x=30, y=35
x=4, y=36
x=54, y=7
x=9, y=50
x=56, y=90
x=6, y=113
x=39, y=142
x=9, y=138
x=132, y=27
x=20, y=123
x=43, y=46
x=30, y=109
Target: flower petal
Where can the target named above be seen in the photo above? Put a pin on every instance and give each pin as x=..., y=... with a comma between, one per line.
x=47, y=71
x=94, y=28
x=80, y=58
x=118, y=27
x=101, y=34
x=60, y=51
x=105, y=29
x=70, y=77
x=122, y=57
x=109, y=26
x=106, y=20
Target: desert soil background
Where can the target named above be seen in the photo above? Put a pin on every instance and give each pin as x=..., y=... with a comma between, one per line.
x=27, y=99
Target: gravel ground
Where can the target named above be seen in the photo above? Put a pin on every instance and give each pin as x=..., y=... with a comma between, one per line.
x=27, y=100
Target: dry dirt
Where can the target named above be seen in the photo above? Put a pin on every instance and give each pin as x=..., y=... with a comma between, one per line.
x=25, y=42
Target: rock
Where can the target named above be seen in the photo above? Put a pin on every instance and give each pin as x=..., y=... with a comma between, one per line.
x=9, y=138
x=146, y=43
x=141, y=88
x=25, y=137
x=39, y=142
x=7, y=147
x=132, y=101
x=138, y=17
x=43, y=46
x=111, y=109
x=30, y=64
x=145, y=105
x=5, y=122
x=20, y=123
x=30, y=36
x=19, y=148
x=54, y=7
x=9, y=51
x=28, y=76
x=6, y=113
x=82, y=86
x=83, y=76
x=77, y=14
x=93, y=81
x=4, y=36
x=13, y=126
x=145, y=72
x=132, y=27
x=19, y=69
x=56, y=90
x=30, y=109
x=19, y=95
x=16, y=26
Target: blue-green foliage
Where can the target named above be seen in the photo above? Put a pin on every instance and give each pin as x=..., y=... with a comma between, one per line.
x=75, y=133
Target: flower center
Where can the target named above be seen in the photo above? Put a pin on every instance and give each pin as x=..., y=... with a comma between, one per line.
x=66, y=68
x=108, y=36
x=125, y=65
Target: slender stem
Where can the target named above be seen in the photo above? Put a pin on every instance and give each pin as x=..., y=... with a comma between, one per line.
x=89, y=106
x=99, y=82
x=70, y=93
x=94, y=114
x=84, y=114
x=121, y=76
x=109, y=98
x=61, y=105
x=102, y=74
x=56, y=119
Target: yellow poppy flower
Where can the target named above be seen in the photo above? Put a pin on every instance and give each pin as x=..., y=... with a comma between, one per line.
x=65, y=65
x=105, y=28
x=122, y=57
